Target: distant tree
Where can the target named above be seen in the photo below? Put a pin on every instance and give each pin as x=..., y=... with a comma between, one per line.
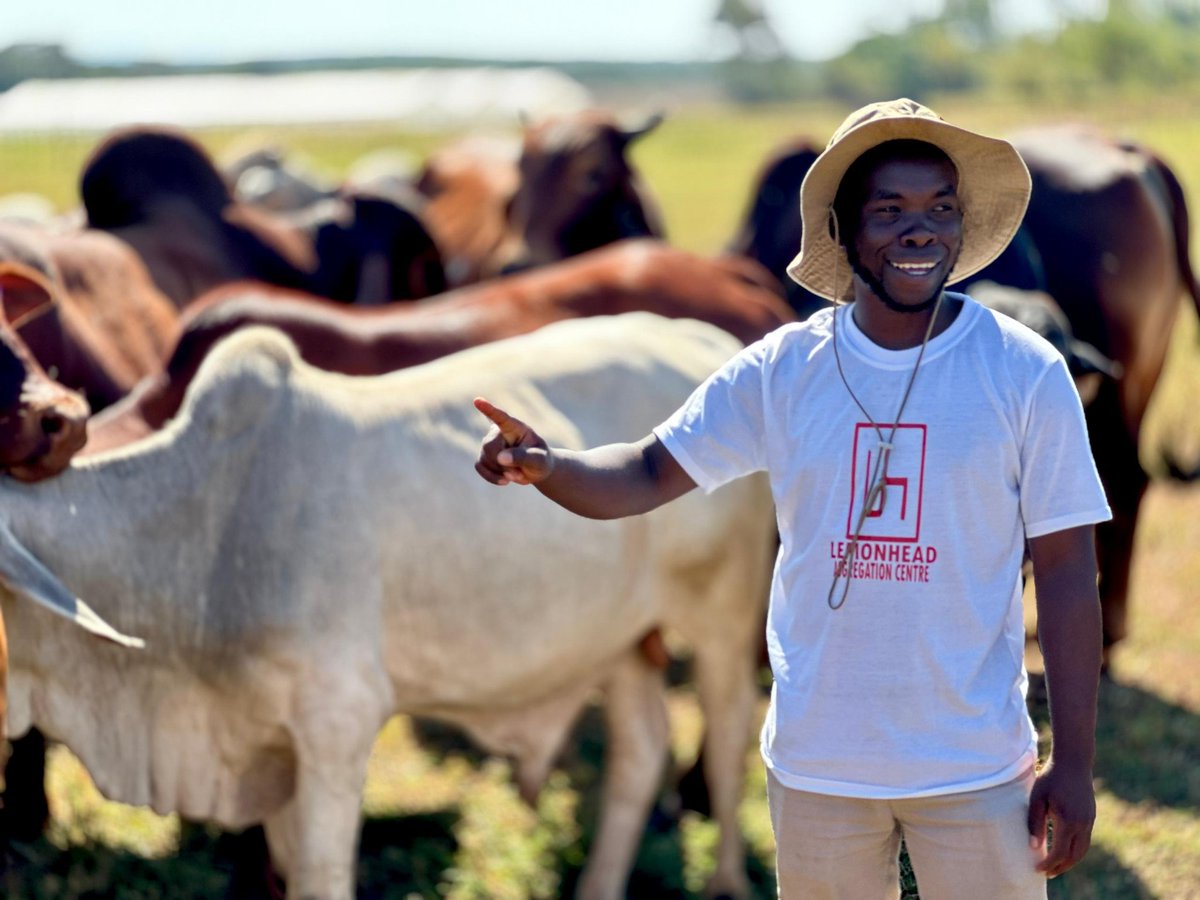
x=755, y=36
x=928, y=57
x=1136, y=46
x=974, y=19
x=19, y=62
x=759, y=68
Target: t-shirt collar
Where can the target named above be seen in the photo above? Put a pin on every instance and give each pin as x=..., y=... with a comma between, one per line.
x=862, y=346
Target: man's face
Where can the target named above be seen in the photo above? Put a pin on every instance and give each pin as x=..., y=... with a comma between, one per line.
x=910, y=231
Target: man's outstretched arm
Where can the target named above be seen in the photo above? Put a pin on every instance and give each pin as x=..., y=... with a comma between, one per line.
x=602, y=483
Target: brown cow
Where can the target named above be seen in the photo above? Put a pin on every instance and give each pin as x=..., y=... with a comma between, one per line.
x=105, y=325
x=42, y=423
x=158, y=190
x=467, y=186
x=570, y=189
x=631, y=275
x=1110, y=223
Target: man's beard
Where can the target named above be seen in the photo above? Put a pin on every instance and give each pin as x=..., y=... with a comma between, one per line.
x=880, y=291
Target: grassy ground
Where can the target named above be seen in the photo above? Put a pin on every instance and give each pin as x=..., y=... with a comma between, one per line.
x=442, y=821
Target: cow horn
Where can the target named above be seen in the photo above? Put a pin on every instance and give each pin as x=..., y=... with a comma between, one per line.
x=1089, y=359
x=647, y=124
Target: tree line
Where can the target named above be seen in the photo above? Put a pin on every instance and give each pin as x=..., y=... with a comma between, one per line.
x=1136, y=45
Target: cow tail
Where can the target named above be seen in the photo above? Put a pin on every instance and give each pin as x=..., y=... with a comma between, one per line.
x=1179, y=218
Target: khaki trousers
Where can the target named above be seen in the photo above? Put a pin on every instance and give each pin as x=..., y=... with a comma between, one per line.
x=972, y=845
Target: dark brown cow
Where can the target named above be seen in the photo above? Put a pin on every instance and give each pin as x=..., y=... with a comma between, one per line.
x=770, y=229
x=1111, y=226
x=576, y=191
x=628, y=276
x=570, y=189
x=158, y=190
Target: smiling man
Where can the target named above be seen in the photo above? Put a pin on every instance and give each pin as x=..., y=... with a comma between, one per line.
x=916, y=442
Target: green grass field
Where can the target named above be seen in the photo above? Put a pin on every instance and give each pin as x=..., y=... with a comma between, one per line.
x=442, y=821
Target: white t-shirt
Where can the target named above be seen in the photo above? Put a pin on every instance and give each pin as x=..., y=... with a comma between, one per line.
x=916, y=685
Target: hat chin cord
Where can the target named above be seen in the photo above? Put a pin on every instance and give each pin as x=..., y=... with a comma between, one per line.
x=844, y=572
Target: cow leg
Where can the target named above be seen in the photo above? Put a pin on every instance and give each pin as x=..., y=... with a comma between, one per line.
x=26, y=811
x=636, y=748
x=1114, y=550
x=1125, y=483
x=313, y=839
x=724, y=676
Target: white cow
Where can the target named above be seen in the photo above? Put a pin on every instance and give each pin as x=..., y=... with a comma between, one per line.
x=306, y=554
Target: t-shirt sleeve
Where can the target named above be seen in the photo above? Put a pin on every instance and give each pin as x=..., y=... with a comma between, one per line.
x=717, y=435
x=1060, y=487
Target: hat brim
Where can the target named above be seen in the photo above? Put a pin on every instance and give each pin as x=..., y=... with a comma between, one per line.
x=993, y=187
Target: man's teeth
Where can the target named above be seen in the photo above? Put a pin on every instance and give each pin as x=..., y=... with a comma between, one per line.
x=914, y=268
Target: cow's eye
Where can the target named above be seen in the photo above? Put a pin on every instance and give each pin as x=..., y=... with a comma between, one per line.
x=592, y=180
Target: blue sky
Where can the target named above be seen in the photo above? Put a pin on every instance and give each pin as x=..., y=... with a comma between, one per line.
x=228, y=30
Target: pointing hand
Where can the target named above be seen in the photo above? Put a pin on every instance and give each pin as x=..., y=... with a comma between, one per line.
x=511, y=451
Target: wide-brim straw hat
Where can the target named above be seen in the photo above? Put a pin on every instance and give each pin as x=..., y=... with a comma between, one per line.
x=993, y=189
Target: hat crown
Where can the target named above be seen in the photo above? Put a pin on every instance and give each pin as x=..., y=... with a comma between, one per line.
x=903, y=108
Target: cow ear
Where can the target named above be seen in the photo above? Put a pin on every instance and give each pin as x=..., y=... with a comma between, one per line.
x=23, y=291
x=643, y=126
x=26, y=577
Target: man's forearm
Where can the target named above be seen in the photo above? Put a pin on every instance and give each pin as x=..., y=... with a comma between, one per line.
x=1064, y=566
x=1063, y=796
x=615, y=480
x=1070, y=638
x=602, y=483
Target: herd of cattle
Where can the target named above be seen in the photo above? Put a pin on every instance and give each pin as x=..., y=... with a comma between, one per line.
x=306, y=553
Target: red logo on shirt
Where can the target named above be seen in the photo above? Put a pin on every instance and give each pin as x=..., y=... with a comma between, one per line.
x=896, y=513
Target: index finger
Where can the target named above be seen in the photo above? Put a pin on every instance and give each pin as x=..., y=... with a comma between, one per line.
x=1066, y=849
x=510, y=429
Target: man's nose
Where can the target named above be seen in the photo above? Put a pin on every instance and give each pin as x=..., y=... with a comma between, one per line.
x=918, y=234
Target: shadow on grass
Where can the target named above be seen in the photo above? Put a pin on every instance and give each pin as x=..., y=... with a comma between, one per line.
x=1147, y=749
x=400, y=856
x=1100, y=876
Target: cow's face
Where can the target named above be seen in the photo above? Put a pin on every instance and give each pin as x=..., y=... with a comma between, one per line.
x=576, y=191
x=42, y=423
x=910, y=229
